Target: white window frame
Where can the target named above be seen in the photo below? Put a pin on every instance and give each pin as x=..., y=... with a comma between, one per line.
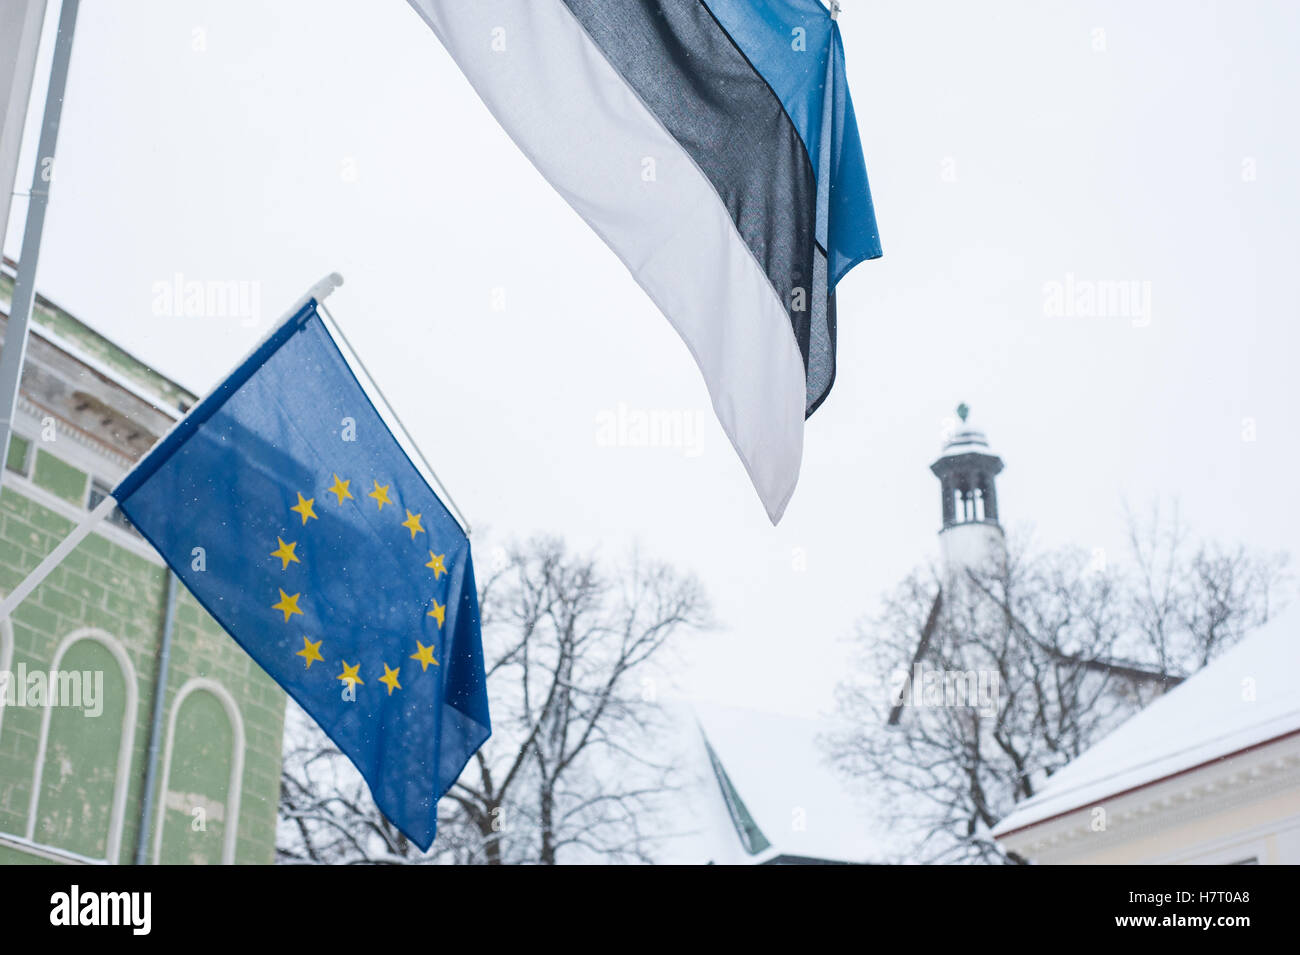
x=117, y=812
x=235, y=784
x=6, y=663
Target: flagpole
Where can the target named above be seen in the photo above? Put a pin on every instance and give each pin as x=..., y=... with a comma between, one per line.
x=24, y=293
x=319, y=292
x=21, y=23
x=55, y=557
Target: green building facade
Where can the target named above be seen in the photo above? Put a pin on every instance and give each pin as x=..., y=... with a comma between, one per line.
x=75, y=756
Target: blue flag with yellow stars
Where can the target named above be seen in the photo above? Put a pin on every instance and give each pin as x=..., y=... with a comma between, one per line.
x=291, y=512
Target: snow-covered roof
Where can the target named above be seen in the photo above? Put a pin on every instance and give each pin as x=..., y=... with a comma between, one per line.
x=775, y=776
x=965, y=440
x=107, y=372
x=1248, y=696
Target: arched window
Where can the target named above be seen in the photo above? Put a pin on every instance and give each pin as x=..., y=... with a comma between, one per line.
x=968, y=502
x=202, y=775
x=83, y=762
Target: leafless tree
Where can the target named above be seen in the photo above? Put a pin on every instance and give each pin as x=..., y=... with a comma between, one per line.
x=1072, y=644
x=574, y=654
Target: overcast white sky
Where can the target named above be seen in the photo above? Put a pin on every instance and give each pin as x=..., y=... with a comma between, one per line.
x=1009, y=144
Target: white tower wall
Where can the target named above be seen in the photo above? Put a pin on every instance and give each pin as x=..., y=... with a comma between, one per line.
x=973, y=546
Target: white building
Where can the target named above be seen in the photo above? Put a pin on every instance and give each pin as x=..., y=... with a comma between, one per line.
x=1207, y=774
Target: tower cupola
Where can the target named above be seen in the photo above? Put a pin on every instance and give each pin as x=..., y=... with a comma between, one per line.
x=967, y=471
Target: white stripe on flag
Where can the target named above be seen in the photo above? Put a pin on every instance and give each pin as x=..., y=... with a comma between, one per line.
x=587, y=132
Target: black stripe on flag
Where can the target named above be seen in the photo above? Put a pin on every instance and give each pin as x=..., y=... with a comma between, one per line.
x=690, y=74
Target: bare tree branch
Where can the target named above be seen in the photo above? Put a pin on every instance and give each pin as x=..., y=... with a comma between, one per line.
x=1073, y=646
x=568, y=647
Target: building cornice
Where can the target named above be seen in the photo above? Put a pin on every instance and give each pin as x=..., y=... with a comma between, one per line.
x=1221, y=785
x=79, y=436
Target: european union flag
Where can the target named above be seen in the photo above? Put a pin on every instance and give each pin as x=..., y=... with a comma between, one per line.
x=291, y=512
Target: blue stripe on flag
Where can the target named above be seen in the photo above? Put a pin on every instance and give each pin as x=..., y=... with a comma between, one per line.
x=797, y=66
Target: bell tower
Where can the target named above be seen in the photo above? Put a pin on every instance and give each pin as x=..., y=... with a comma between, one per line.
x=971, y=537
x=967, y=471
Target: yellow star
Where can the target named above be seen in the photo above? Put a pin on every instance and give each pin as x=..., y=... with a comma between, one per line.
x=350, y=675
x=340, y=490
x=435, y=561
x=286, y=554
x=380, y=494
x=390, y=679
x=438, y=612
x=425, y=656
x=287, y=604
x=304, y=507
x=311, y=652
x=412, y=523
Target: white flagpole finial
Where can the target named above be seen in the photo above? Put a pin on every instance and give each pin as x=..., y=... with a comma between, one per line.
x=322, y=289
x=835, y=9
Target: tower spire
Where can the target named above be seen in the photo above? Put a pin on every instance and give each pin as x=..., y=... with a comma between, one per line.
x=967, y=469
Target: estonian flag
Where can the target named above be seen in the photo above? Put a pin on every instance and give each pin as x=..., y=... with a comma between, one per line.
x=712, y=145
